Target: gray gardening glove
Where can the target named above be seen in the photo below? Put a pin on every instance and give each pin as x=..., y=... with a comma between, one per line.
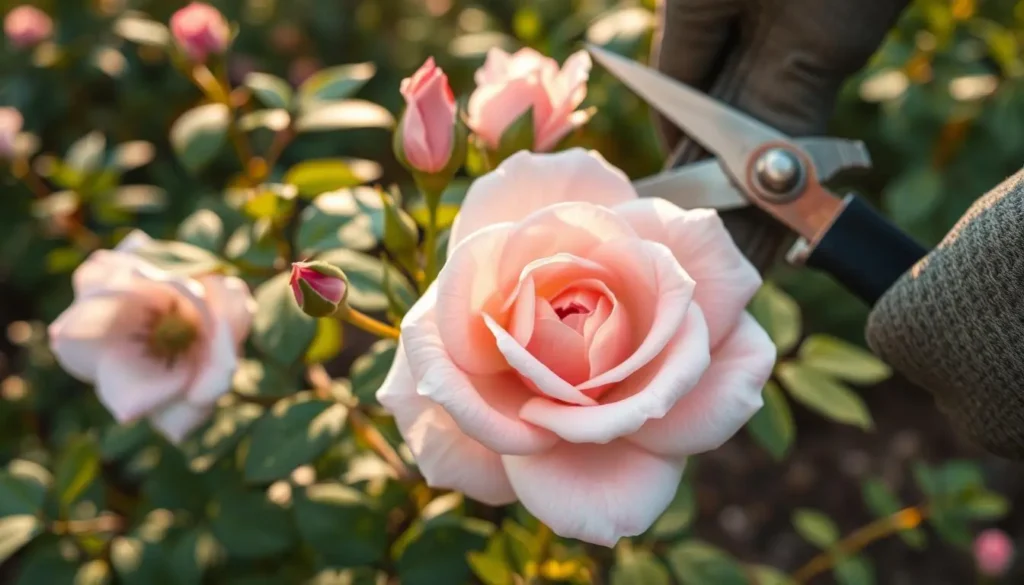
x=782, y=61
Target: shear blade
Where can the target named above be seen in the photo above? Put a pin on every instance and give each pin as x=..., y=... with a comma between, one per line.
x=694, y=186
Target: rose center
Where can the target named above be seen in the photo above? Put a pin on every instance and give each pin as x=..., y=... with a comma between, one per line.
x=573, y=308
x=171, y=333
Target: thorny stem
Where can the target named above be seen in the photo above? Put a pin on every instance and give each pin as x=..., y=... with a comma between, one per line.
x=905, y=519
x=102, y=523
x=368, y=323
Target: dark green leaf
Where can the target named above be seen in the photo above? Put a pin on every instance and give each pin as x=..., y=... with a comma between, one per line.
x=291, y=434
x=679, y=515
x=697, y=563
x=772, y=427
x=23, y=488
x=253, y=245
x=139, y=563
x=198, y=135
x=121, y=441
x=913, y=195
x=280, y=329
x=220, y=435
x=313, y=177
x=843, y=360
x=262, y=379
x=437, y=554
x=764, y=575
x=366, y=277
x=86, y=154
x=192, y=554
x=451, y=200
x=824, y=394
x=78, y=467
x=855, y=571
x=16, y=532
x=523, y=546
x=815, y=527
x=492, y=565
x=342, y=524
x=344, y=114
x=882, y=503
x=517, y=136
x=44, y=564
x=986, y=506
x=204, y=229
x=349, y=218
x=273, y=91
x=335, y=83
x=250, y=526
x=370, y=369
x=779, y=314
x=638, y=567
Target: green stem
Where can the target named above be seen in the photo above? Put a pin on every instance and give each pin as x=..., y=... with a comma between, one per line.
x=430, y=248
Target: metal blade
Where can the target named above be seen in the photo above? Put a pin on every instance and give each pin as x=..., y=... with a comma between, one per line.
x=732, y=136
x=694, y=186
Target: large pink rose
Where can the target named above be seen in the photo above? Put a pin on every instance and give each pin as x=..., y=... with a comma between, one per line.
x=579, y=344
x=509, y=84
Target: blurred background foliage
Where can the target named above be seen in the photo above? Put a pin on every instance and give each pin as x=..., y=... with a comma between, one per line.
x=941, y=108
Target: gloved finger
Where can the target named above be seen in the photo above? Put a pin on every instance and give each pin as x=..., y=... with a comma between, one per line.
x=689, y=46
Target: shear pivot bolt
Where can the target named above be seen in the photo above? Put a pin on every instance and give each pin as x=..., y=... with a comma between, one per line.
x=779, y=171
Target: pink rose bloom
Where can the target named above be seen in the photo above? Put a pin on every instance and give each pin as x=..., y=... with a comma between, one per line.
x=155, y=344
x=27, y=26
x=993, y=552
x=507, y=85
x=11, y=122
x=200, y=29
x=579, y=344
x=428, y=125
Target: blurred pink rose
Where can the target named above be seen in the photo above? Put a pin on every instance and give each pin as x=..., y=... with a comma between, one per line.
x=155, y=344
x=579, y=344
x=993, y=552
x=10, y=126
x=200, y=30
x=27, y=26
x=428, y=125
x=509, y=84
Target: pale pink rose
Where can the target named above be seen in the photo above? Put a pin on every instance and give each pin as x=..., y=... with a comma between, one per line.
x=11, y=122
x=993, y=552
x=579, y=344
x=156, y=345
x=509, y=84
x=27, y=26
x=428, y=125
x=200, y=30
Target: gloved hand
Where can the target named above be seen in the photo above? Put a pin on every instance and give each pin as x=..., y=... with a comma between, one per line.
x=782, y=61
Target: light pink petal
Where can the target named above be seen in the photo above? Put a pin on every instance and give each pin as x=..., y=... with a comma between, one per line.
x=595, y=493
x=648, y=394
x=566, y=91
x=446, y=457
x=607, y=332
x=485, y=407
x=529, y=367
x=131, y=384
x=493, y=108
x=495, y=67
x=642, y=263
x=722, y=402
x=79, y=335
x=107, y=270
x=229, y=297
x=466, y=288
x=551, y=275
x=524, y=307
x=561, y=349
x=179, y=419
x=527, y=182
x=216, y=367
x=726, y=280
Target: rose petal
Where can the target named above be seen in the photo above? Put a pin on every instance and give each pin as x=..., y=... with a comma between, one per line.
x=485, y=407
x=79, y=335
x=527, y=182
x=229, y=297
x=698, y=239
x=493, y=108
x=648, y=394
x=131, y=384
x=494, y=68
x=722, y=402
x=216, y=368
x=447, y=458
x=642, y=263
x=560, y=348
x=596, y=493
x=106, y=271
x=179, y=419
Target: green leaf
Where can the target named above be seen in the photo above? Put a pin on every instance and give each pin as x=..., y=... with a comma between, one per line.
x=290, y=434
x=94, y=572
x=274, y=120
x=328, y=342
x=250, y=526
x=198, y=135
x=23, y=488
x=492, y=565
x=436, y=552
x=139, y=563
x=280, y=329
x=344, y=115
x=348, y=218
x=366, y=278
x=215, y=439
x=882, y=503
x=86, y=154
x=523, y=546
x=192, y=554
x=679, y=515
x=342, y=524
x=772, y=426
x=79, y=465
x=132, y=155
x=122, y=440
x=638, y=567
x=16, y=532
x=142, y=31
x=779, y=314
x=765, y=575
x=815, y=527
x=843, y=360
x=517, y=136
x=335, y=83
x=369, y=370
x=43, y=563
x=273, y=91
x=178, y=257
x=204, y=229
x=913, y=195
x=258, y=379
x=824, y=394
x=697, y=563
x=986, y=506
x=855, y=571
x=253, y=245
x=313, y=177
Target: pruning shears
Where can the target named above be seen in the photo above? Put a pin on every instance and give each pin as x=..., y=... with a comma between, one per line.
x=758, y=165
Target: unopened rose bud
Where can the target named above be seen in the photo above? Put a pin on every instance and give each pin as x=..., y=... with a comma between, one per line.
x=320, y=288
x=993, y=552
x=10, y=125
x=427, y=131
x=27, y=26
x=200, y=30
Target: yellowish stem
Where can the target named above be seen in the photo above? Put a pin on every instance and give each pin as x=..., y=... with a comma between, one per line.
x=369, y=324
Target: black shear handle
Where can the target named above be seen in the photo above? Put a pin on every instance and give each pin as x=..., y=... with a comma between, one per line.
x=864, y=251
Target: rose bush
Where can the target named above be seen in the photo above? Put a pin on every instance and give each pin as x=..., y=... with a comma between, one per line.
x=578, y=345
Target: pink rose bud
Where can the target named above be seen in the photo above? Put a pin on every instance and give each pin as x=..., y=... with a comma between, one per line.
x=200, y=30
x=993, y=552
x=319, y=288
x=27, y=26
x=10, y=126
x=428, y=125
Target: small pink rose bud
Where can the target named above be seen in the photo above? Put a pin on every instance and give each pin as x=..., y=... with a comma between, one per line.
x=200, y=30
x=428, y=125
x=993, y=552
x=27, y=26
x=320, y=288
x=10, y=125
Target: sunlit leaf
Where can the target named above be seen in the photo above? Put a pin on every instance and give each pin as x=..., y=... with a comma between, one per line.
x=342, y=524
x=679, y=515
x=492, y=565
x=824, y=394
x=204, y=229
x=313, y=177
x=335, y=83
x=328, y=341
x=370, y=369
x=250, y=526
x=772, y=426
x=290, y=434
x=344, y=114
x=16, y=532
x=815, y=527
x=779, y=314
x=143, y=31
x=638, y=567
x=697, y=563
x=280, y=329
x=843, y=360
x=198, y=135
x=854, y=571
x=436, y=552
x=79, y=465
x=366, y=277
x=273, y=91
